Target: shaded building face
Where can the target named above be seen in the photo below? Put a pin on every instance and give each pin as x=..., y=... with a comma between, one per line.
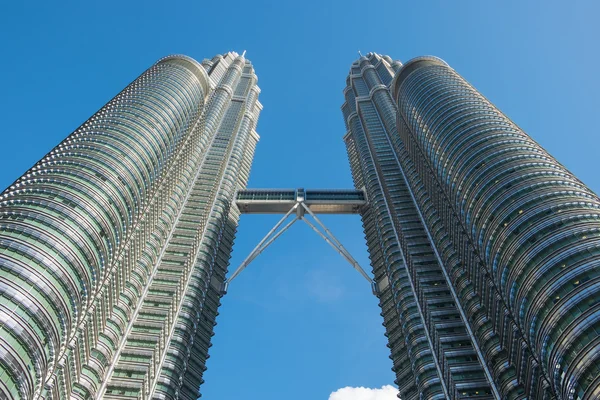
x=507, y=237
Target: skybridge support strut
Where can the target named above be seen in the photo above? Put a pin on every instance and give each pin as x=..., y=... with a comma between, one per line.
x=334, y=242
x=301, y=209
x=261, y=246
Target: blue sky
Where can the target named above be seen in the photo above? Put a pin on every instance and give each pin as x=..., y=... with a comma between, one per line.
x=299, y=323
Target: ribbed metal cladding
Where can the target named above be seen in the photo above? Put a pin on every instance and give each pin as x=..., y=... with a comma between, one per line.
x=63, y=221
x=112, y=245
x=432, y=348
x=520, y=228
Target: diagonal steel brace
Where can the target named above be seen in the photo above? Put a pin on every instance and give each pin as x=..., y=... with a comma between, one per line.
x=333, y=242
x=273, y=234
x=261, y=246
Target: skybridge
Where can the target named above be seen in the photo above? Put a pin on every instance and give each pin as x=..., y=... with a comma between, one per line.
x=302, y=205
x=319, y=201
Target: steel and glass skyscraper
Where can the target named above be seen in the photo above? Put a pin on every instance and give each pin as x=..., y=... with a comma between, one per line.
x=485, y=249
x=114, y=246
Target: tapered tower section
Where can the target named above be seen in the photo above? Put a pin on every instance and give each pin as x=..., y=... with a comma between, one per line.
x=486, y=250
x=522, y=229
x=114, y=245
x=432, y=347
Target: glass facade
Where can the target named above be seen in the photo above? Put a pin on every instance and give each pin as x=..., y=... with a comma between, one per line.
x=113, y=247
x=488, y=248
x=432, y=349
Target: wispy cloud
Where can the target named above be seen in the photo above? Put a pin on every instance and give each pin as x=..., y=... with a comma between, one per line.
x=386, y=392
x=323, y=286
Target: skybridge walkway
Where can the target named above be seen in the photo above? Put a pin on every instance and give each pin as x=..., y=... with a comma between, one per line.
x=300, y=204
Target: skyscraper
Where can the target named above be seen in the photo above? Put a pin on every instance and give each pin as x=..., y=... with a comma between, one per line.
x=485, y=249
x=114, y=246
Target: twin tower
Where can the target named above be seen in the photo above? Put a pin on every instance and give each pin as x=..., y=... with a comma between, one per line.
x=114, y=247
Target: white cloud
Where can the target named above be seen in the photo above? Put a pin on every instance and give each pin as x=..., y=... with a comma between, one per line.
x=386, y=392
